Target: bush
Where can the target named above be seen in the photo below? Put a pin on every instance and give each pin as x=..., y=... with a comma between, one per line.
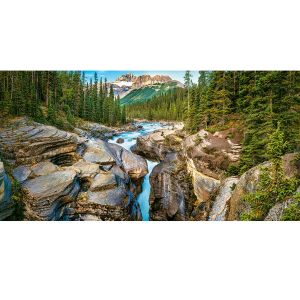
x=273, y=187
x=292, y=212
x=232, y=170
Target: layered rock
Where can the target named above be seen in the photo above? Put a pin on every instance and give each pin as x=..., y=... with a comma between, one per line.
x=46, y=195
x=98, y=153
x=220, y=204
x=205, y=157
x=86, y=169
x=145, y=80
x=208, y=157
x=95, y=130
x=43, y=168
x=169, y=190
x=103, y=181
x=6, y=204
x=85, y=210
x=65, y=177
x=130, y=80
x=28, y=142
x=211, y=154
x=133, y=165
x=158, y=144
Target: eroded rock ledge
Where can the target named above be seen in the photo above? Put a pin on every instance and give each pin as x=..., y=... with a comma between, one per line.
x=66, y=177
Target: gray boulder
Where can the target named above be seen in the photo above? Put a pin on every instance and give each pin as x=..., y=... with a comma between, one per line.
x=98, y=153
x=103, y=181
x=112, y=197
x=43, y=168
x=46, y=195
x=86, y=169
x=21, y=173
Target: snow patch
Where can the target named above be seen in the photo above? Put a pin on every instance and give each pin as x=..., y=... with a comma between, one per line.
x=123, y=83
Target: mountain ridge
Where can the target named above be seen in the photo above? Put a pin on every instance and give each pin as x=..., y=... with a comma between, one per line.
x=147, y=92
x=128, y=83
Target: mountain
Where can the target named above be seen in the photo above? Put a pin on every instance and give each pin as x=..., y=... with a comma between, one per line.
x=146, y=92
x=134, y=89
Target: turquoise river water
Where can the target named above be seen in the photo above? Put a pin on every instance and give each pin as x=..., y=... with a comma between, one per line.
x=129, y=141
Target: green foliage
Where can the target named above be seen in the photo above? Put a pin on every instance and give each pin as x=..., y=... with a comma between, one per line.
x=273, y=185
x=146, y=93
x=166, y=106
x=272, y=188
x=17, y=197
x=232, y=170
x=266, y=99
x=277, y=144
x=292, y=212
x=64, y=95
x=258, y=100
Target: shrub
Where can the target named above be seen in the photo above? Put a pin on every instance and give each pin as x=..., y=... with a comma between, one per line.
x=292, y=212
x=273, y=187
x=232, y=170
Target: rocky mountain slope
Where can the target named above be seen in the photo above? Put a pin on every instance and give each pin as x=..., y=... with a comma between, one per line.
x=63, y=176
x=145, y=93
x=140, y=81
x=132, y=89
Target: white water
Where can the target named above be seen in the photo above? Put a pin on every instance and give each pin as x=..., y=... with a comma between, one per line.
x=129, y=141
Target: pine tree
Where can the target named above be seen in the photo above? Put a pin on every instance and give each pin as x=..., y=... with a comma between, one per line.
x=187, y=84
x=219, y=103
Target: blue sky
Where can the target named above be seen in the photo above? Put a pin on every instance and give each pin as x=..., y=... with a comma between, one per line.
x=113, y=75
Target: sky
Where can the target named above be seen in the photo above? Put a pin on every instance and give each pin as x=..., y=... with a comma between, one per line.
x=113, y=75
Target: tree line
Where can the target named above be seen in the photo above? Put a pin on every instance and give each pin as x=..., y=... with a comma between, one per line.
x=167, y=106
x=43, y=95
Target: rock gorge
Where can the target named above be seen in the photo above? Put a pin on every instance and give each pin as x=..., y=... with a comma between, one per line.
x=64, y=176
x=190, y=182
x=61, y=175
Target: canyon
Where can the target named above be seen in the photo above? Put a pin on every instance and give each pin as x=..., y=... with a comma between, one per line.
x=145, y=171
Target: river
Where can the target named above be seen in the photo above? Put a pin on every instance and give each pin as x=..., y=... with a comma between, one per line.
x=129, y=141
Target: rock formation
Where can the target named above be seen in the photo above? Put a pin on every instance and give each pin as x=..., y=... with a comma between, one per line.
x=169, y=192
x=145, y=80
x=6, y=204
x=65, y=177
x=158, y=144
x=140, y=81
x=28, y=142
x=198, y=191
x=46, y=195
x=220, y=204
